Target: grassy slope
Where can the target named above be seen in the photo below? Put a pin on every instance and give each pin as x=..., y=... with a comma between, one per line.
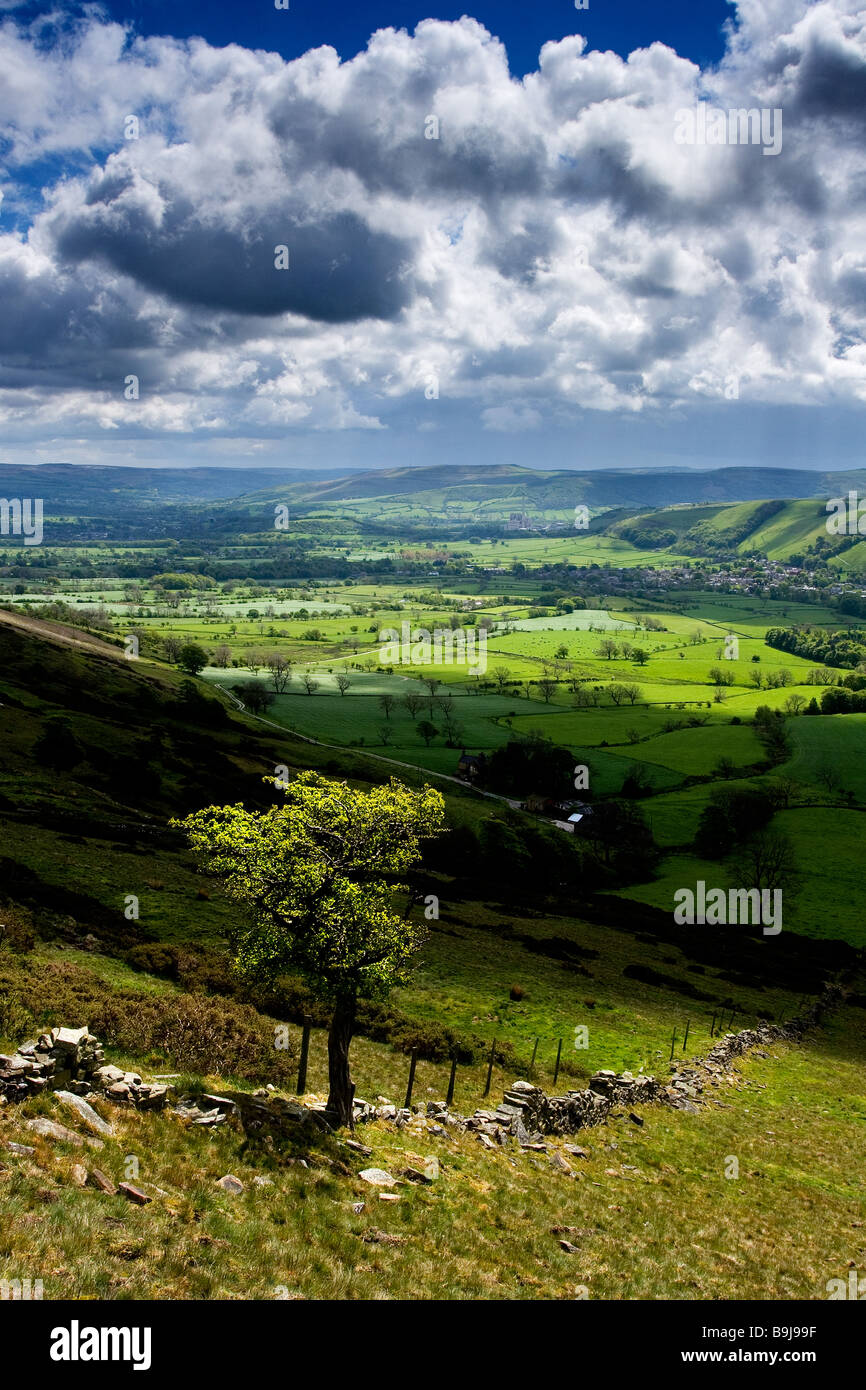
x=654, y=1215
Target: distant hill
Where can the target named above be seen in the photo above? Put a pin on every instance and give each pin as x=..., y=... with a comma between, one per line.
x=485, y=487
x=82, y=488
x=543, y=491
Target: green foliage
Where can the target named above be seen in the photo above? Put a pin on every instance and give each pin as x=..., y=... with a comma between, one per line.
x=732, y=815
x=191, y=1031
x=621, y=841
x=317, y=878
x=192, y=658
x=256, y=697
x=524, y=766
x=832, y=648
x=838, y=700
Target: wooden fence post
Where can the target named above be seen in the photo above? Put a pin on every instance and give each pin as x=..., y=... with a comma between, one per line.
x=558, y=1056
x=534, y=1050
x=686, y=1038
x=451, y=1079
x=713, y=1025
x=490, y=1068
x=408, y=1101
x=673, y=1045
x=305, y=1053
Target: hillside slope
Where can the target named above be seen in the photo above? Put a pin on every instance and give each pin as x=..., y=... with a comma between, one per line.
x=743, y=1197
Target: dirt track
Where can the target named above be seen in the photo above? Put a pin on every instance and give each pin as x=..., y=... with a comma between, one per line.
x=56, y=632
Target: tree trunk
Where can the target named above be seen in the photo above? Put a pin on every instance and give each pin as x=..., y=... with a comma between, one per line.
x=341, y=1090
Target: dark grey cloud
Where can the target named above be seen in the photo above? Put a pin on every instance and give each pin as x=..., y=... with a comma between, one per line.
x=339, y=270
x=831, y=81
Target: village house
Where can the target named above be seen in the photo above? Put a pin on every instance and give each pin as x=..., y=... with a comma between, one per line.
x=471, y=765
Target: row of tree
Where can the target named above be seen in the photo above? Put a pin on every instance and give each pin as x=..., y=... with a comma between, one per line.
x=831, y=648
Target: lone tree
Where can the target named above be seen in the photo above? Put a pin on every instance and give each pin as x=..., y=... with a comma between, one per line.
x=192, y=658
x=318, y=876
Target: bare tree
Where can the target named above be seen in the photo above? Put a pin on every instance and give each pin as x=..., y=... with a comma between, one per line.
x=255, y=661
x=607, y=648
x=413, y=702
x=823, y=676
x=783, y=790
x=585, y=696
x=547, y=687
x=632, y=692
x=280, y=669
x=768, y=862
x=829, y=778
x=309, y=682
x=432, y=683
x=386, y=702
x=343, y=682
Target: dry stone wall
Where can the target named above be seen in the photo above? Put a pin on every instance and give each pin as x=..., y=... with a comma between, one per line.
x=71, y=1062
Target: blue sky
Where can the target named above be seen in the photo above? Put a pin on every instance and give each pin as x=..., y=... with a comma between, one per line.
x=692, y=27
x=497, y=236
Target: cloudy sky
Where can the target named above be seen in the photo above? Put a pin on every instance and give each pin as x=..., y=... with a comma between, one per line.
x=498, y=249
